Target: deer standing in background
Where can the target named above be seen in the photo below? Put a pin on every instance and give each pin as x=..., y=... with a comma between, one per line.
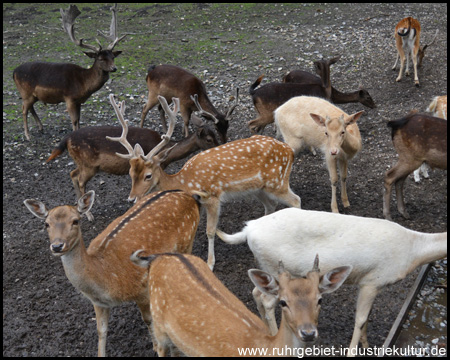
x=161, y=222
x=194, y=313
x=259, y=165
x=53, y=83
x=407, y=41
x=171, y=81
x=92, y=152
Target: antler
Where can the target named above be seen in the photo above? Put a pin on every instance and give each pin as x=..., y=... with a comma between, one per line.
x=172, y=120
x=68, y=19
x=120, y=112
x=203, y=112
x=113, y=34
x=231, y=109
x=316, y=264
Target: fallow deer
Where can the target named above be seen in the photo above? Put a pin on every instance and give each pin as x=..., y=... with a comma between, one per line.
x=407, y=40
x=272, y=95
x=307, y=121
x=53, y=83
x=259, y=165
x=194, y=313
x=92, y=152
x=381, y=253
x=171, y=81
x=160, y=222
x=417, y=138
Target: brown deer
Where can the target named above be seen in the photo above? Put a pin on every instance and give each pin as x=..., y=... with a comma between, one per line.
x=417, y=138
x=194, y=313
x=272, y=95
x=92, y=152
x=53, y=83
x=103, y=272
x=407, y=41
x=171, y=81
x=259, y=165
x=337, y=97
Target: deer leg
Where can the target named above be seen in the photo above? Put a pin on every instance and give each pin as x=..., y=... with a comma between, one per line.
x=407, y=64
x=74, y=176
x=84, y=175
x=36, y=118
x=151, y=102
x=396, y=61
x=343, y=171
x=401, y=54
x=212, y=218
x=331, y=165
x=74, y=113
x=144, y=308
x=27, y=105
x=102, y=317
x=162, y=116
x=269, y=204
x=399, y=192
x=364, y=304
x=161, y=342
x=414, y=59
x=186, y=115
x=266, y=306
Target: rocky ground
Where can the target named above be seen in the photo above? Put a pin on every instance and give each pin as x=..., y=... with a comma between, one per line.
x=227, y=46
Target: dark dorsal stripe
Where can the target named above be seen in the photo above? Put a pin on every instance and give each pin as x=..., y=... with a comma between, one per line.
x=134, y=213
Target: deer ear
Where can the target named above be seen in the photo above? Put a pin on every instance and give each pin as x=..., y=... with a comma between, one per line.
x=85, y=202
x=91, y=55
x=318, y=119
x=265, y=282
x=37, y=208
x=116, y=53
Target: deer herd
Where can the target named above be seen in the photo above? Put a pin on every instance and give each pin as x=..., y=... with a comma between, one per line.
x=144, y=255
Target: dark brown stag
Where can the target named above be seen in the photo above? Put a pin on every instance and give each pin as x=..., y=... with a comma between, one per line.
x=53, y=83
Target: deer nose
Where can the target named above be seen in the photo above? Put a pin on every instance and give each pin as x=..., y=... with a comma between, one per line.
x=334, y=152
x=308, y=335
x=113, y=69
x=57, y=248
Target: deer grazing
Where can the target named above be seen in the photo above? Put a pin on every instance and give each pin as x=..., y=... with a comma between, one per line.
x=194, y=313
x=380, y=252
x=53, y=83
x=259, y=165
x=437, y=108
x=103, y=272
x=307, y=121
x=272, y=95
x=171, y=81
x=417, y=138
x=92, y=152
x=407, y=41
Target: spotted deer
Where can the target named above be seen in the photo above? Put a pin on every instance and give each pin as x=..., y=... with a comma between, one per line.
x=194, y=313
x=92, y=152
x=53, y=83
x=259, y=165
x=160, y=222
x=407, y=41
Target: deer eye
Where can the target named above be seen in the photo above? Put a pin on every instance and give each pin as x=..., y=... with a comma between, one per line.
x=319, y=302
x=343, y=132
x=283, y=303
x=75, y=222
x=46, y=225
x=148, y=177
x=326, y=133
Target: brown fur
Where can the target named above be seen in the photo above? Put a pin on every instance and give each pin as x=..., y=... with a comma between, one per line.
x=172, y=81
x=103, y=272
x=417, y=138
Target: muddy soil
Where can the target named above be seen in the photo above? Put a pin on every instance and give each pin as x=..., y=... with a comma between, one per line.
x=228, y=46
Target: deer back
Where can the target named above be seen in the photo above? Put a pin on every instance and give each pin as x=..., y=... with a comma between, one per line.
x=242, y=165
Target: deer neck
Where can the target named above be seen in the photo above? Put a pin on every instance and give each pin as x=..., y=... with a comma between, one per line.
x=352, y=143
x=95, y=78
x=79, y=267
x=427, y=248
x=344, y=98
x=285, y=339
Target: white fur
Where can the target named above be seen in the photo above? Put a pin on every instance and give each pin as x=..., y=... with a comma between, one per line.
x=380, y=251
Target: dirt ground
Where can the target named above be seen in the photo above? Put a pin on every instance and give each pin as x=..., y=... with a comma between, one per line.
x=228, y=46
